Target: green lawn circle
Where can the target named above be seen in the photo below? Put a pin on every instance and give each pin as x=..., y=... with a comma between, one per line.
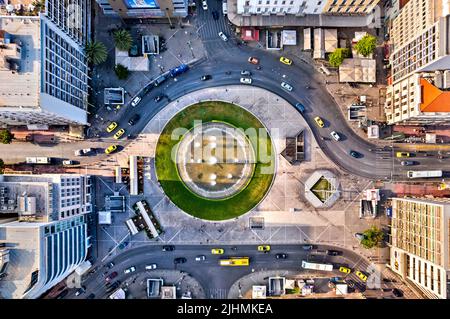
x=179, y=193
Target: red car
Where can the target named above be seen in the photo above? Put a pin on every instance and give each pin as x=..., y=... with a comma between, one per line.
x=111, y=276
x=253, y=60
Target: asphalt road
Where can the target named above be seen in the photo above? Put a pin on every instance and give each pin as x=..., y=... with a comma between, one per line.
x=212, y=276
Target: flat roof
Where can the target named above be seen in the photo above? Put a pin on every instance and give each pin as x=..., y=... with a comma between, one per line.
x=21, y=89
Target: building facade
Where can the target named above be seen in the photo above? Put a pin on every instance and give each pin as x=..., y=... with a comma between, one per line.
x=141, y=9
x=48, y=81
x=48, y=238
x=304, y=7
x=420, y=243
x=420, y=37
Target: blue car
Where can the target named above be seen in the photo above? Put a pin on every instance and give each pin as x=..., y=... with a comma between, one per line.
x=299, y=106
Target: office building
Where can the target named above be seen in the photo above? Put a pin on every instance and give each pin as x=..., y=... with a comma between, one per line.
x=420, y=61
x=304, y=7
x=141, y=9
x=43, y=231
x=420, y=243
x=43, y=69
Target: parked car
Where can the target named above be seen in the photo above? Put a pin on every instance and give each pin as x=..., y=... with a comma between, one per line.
x=286, y=86
x=223, y=36
x=151, y=267
x=130, y=270
x=345, y=270
x=246, y=80
x=80, y=291
x=123, y=245
x=319, y=121
x=407, y=163
x=246, y=73
x=355, y=154
x=361, y=275
x=136, y=101
x=281, y=256
x=110, y=265
x=111, y=276
x=111, y=127
x=334, y=252
x=134, y=119
x=215, y=15
x=84, y=152
x=111, y=149
x=158, y=98
x=299, y=106
x=119, y=134
x=217, y=251
x=200, y=258
x=206, y=77
x=285, y=60
x=204, y=5
x=113, y=287
x=179, y=260
x=359, y=236
x=335, y=279
x=335, y=136
x=67, y=162
x=253, y=60
x=397, y=292
x=168, y=248
x=307, y=247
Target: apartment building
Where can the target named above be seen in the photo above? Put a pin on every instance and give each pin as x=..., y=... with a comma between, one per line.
x=142, y=9
x=43, y=231
x=304, y=7
x=46, y=80
x=420, y=243
x=420, y=37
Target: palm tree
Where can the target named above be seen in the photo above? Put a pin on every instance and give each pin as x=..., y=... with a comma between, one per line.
x=123, y=39
x=96, y=52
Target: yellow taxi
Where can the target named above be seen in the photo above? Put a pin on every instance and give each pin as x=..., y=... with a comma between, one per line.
x=285, y=60
x=319, y=121
x=111, y=127
x=264, y=248
x=119, y=133
x=345, y=270
x=403, y=154
x=361, y=276
x=217, y=251
x=111, y=149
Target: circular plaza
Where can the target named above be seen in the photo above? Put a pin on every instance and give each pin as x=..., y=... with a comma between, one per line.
x=215, y=160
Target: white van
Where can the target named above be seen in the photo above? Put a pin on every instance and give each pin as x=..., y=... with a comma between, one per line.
x=224, y=7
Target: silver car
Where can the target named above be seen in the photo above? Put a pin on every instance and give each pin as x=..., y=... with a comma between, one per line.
x=223, y=36
x=335, y=136
x=246, y=80
x=286, y=86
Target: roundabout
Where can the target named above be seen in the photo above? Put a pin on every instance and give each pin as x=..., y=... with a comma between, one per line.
x=215, y=160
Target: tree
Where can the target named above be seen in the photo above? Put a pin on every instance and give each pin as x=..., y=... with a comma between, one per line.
x=121, y=71
x=2, y=166
x=96, y=52
x=337, y=57
x=373, y=237
x=366, y=46
x=123, y=39
x=6, y=137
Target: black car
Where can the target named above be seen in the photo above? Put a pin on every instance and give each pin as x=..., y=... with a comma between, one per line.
x=355, y=154
x=334, y=252
x=113, y=286
x=179, y=260
x=91, y=296
x=134, y=119
x=158, y=98
x=205, y=77
x=397, y=292
x=281, y=256
x=168, y=248
x=215, y=15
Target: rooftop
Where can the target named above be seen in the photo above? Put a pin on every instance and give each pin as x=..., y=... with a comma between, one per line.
x=433, y=99
x=358, y=70
x=20, y=88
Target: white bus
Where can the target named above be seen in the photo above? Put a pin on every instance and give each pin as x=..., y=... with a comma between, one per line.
x=316, y=266
x=424, y=174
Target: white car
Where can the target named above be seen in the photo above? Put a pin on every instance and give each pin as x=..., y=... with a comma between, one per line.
x=200, y=258
x=83, y=152
x=67, y=162
x=130, y=270
x=135, y=101
x=335, y=136
x=223, y=36
x=204, y=5
x=246, y=80
x=286, y=86
x=151, y=267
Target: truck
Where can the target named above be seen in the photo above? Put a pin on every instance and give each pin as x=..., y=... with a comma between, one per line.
x=424, y=174
x=179, y=70
x=38, y=160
